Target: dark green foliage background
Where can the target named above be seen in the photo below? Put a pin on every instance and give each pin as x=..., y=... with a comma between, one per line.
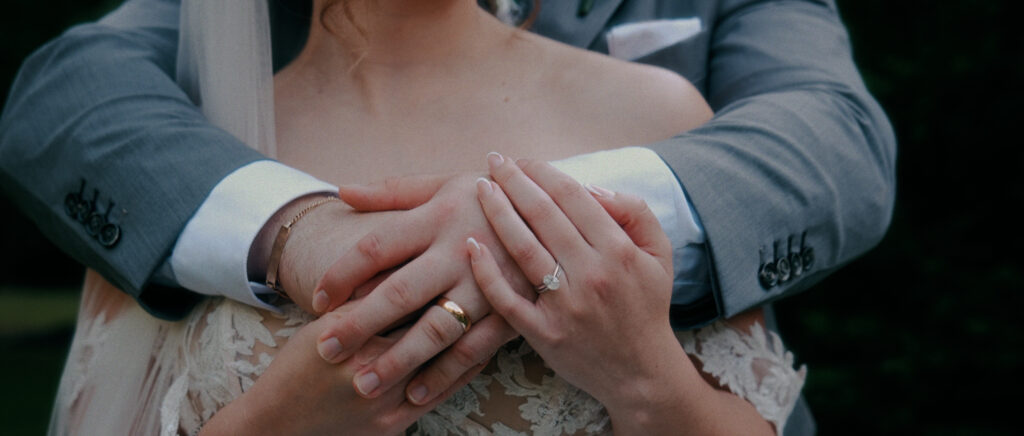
x=921, y=336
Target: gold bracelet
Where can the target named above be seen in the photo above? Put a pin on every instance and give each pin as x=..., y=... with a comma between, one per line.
x=282, y=237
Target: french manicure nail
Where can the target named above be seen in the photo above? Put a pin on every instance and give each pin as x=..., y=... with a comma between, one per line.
x=473, y=246
x=329, y=349
x=494, y=159
x=599, y=191
x=367, y=382
x=483, y=186
x=321, y=301
x=418, y=394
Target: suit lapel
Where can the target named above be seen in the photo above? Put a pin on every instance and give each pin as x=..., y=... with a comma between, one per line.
x=560, y=20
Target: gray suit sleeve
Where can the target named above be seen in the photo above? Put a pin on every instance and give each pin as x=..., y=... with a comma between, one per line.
x=799, y=158
x=97, y=114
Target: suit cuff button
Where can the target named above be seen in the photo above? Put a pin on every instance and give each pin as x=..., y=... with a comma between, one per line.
x=767, y=276
x=109, y=235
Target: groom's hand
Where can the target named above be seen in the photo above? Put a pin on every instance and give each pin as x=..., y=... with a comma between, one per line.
x=322, y=236
x=429, y=242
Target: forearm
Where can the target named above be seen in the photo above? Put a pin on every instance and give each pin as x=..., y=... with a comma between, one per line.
x=676, y=399
x=99, y=105
x=798, y=153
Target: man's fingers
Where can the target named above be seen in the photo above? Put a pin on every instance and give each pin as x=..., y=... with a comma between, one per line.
x=472, y=349
x=434, y=332
x=404, y=292
x=387, y=246
x=393, y=193
x=637, y=220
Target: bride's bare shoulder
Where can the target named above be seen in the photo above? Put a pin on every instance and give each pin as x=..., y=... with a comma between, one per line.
x=649, y=98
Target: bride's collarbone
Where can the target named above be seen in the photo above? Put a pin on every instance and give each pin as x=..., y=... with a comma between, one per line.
x=569, y=102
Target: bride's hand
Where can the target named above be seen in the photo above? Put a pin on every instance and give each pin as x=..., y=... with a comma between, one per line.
x=300, y=394
x=604, y=325
x=605, y=328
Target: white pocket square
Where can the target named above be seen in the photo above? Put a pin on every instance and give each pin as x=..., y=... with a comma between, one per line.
x=634, y=40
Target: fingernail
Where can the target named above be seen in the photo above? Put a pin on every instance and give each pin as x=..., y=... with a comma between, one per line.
x=474, y=247
x=329, y=349
x=483, y=186
x=418, y=394
x=367, y=382
x=321, y=301
x=599, y=191
x=494, y=159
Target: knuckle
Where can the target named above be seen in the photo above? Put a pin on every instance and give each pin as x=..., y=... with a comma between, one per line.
x=389, y=367
x=595, y=282
x=622, y=250
x=437, y=334
x=568, y=188
x=465, y=355
x=539, y=211
x=524, y=253
x=372, y=248
x=353, y=331
x=399, y=293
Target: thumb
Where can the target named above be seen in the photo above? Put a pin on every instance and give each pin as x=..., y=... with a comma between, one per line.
x=393, y=193
x=637, y=220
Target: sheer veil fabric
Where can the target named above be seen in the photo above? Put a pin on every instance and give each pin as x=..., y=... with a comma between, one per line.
x=224, y=65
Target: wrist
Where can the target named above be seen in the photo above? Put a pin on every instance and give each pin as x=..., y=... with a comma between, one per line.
x=244, y=415
x=262, y=244
x=278, y=249
x=664, y=384
x=312, y=247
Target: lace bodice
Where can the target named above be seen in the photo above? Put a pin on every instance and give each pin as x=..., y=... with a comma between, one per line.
x=188, y=370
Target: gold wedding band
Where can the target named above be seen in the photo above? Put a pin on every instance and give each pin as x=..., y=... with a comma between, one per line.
x=456, y=311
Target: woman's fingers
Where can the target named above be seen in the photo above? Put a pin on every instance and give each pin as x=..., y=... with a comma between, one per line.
x=519, y=241
x=520, y=313
x=571, y=197
x=548, y=222
x=636, y=219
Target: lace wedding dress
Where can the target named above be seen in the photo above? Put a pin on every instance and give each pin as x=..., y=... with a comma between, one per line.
x=130, y=373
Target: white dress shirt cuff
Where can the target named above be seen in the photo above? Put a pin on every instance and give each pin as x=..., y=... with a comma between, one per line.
x=640, y=171
x=211, y=255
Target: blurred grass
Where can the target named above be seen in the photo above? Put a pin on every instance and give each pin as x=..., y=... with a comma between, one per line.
x=35, y=329
x=25, y=311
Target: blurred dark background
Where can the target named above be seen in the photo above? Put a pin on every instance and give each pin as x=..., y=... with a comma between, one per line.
x=920, y=336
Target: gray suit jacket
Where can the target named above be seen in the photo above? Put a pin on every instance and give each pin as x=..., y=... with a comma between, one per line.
x=793, y=177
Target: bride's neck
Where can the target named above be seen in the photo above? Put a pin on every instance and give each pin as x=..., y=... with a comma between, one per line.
x=370, y=37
